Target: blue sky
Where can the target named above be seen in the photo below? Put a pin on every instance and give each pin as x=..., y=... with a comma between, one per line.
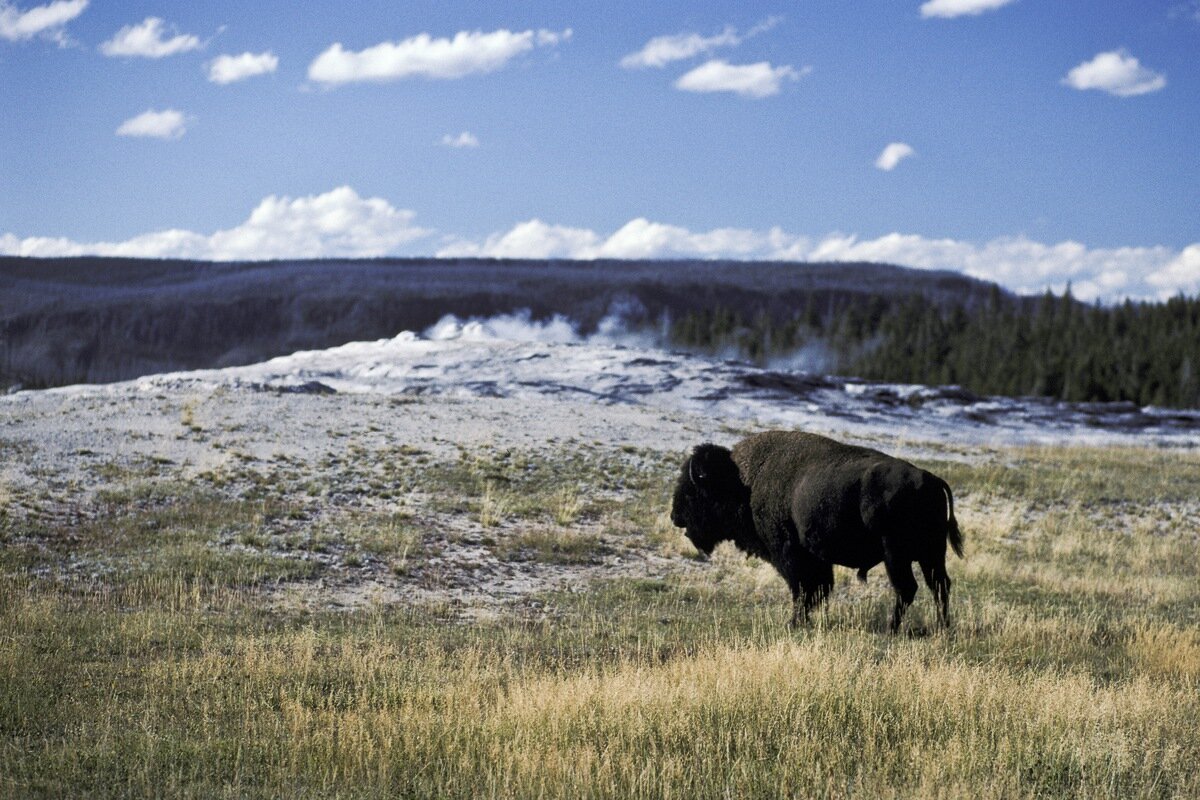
x=1034, y=142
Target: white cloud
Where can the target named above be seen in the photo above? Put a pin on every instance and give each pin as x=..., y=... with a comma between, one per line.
x=337, y=224
x=749, y=80
x=147, y=41
x=47, y=20
x=532, y=239
x=167, y=124
x=551, y=38
x=464, y=139
x=1017, y=263
x=892, y=155
x=662, y=50
x=1117, y=73
x=469, y=52
x=641, y=238
x=228, y=69
x=959, y=8
x=341, y=224
x=638, y=238
x=1180, y=274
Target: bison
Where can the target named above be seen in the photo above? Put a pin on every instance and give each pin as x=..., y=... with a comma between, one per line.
x=804, y=502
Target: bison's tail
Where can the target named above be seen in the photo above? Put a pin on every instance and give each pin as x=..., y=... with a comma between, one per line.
x=953, y=534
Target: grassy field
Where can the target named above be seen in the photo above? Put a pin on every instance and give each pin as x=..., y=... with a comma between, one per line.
x=139, y=657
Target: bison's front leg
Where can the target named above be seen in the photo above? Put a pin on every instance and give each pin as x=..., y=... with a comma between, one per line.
x=811, y=581
x=799, y=612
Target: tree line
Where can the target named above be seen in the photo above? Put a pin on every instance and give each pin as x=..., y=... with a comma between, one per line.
x=1053, y=346
x=91, y=319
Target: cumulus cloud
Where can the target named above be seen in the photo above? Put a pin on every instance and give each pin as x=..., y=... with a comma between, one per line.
x=337, y=224
x=1180, y=274
x=1115, y=72
x=892, y=155
x=148, y=40
x=464, y=139
x=229, y=69
x=960, y=8
x=1017, y=263
x=748, y=80
x=532, y=239
x=469, y=52
x=641, y=238
x=47, y=20
x=662, y=50
x=341, y=224
x=638, y=238
x=167, y=124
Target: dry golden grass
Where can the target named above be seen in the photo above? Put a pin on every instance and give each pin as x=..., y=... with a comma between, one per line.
x=566, y=505
x=493, y=506
x=1073, y=670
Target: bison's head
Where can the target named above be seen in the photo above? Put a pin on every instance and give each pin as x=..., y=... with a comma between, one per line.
x=711, y=502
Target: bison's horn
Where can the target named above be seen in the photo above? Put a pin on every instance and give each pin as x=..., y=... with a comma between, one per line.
x=692, y=471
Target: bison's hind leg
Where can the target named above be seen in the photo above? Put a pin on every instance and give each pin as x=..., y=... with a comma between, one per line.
x=934, y=570
x=899, y=570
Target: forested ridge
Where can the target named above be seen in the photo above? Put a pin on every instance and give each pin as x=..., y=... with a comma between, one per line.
x=1053, y=346
x=101, y=319
x=95, y=320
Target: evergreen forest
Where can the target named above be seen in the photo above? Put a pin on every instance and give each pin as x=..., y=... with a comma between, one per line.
x=95, y=320
x=1053, y=346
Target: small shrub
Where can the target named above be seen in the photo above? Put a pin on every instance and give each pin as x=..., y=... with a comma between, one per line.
x=493, y=506
x=566, y=505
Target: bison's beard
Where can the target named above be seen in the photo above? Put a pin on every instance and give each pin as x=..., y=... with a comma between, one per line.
x=708, y=518
x=705, y=544
x=708, y=531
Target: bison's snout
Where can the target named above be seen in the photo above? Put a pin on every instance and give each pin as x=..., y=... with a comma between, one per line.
x=703, y=546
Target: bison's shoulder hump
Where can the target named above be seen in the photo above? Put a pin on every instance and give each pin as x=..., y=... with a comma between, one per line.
x=787, y=445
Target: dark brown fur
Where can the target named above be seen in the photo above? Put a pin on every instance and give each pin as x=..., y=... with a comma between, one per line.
x=805, y=503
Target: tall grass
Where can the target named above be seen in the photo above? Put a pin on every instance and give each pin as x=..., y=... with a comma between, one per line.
x=1074, y=668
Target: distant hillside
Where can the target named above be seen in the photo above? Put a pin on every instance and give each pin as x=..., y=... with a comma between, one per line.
x=97, y=320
